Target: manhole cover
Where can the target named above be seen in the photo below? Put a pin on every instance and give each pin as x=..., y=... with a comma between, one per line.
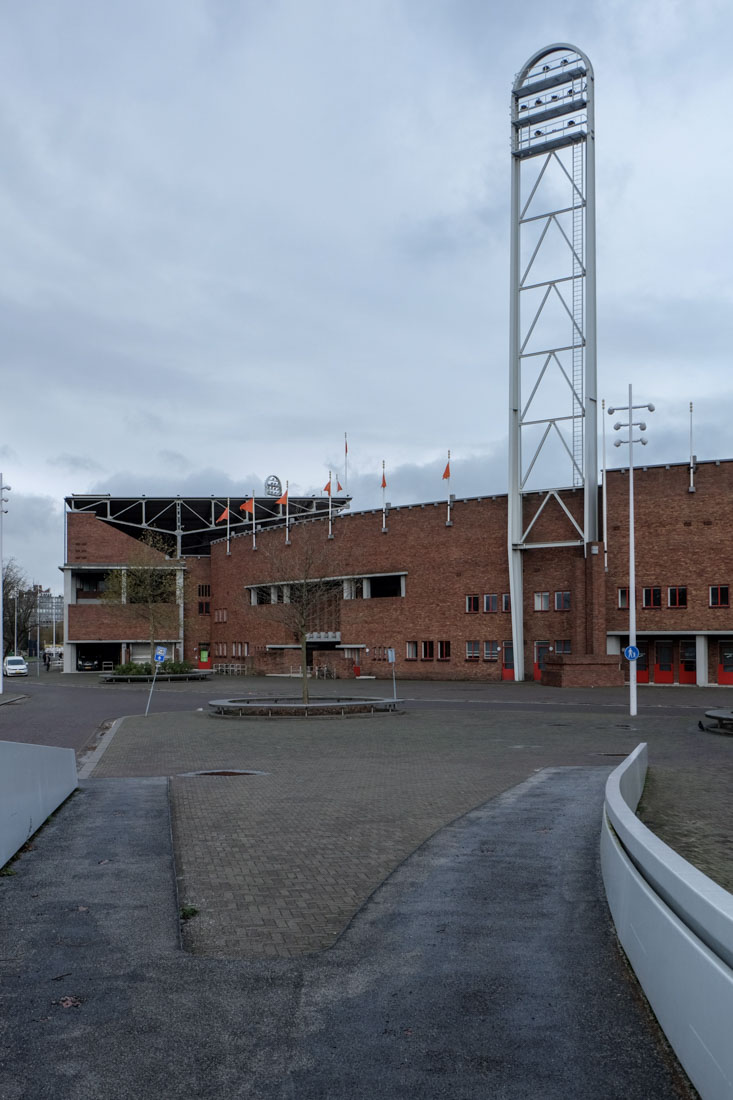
x=219, y=771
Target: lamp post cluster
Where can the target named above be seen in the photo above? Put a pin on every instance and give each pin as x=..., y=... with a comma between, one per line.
x=631, y=424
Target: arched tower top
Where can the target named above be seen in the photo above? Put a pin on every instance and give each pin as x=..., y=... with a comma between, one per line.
x=552, y=101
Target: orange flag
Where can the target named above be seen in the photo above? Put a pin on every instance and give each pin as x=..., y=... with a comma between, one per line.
x=283, y=499
x=327, y=488
x=339, y=487
x=248, y=506
x=224, y=515
x=384, y=480
x=446, y=472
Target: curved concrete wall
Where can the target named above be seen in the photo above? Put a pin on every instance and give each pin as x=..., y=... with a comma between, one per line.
x=676, y=927
x=34, y=781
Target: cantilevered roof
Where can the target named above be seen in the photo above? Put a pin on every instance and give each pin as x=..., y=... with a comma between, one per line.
x=195, y=522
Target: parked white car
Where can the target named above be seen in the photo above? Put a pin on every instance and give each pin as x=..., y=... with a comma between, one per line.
x=15, y=666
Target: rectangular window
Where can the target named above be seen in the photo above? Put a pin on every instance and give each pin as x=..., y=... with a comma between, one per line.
x=491, y=651
x=472, y=651
x=719, y=595
x=472, y=604
x=562, y=601
x=444, y=651
x=562, y=646
x=410, y=651
x=542, y=601
x=491, y=601
x=506, y=602
x=623, y=598
x=426, y=651
x=204, y=607
x=204, y=591
x=676, y=597
x=651, y=597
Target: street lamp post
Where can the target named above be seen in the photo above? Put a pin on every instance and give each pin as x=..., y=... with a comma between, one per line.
x=3, y=511
x=631, y=424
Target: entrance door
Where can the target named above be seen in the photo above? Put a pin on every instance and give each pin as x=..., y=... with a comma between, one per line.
x=725, y=663
x=507, y=661
x=204, y=655
x=541, y=649
x=642, y=664
x=663, y=663
x=688, y=662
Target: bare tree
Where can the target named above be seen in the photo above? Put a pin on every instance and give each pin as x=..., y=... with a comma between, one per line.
x=298, y=594
x=18, y=598
x=147, y=587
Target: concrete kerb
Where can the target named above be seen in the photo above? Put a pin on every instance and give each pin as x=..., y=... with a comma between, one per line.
x=89, y=760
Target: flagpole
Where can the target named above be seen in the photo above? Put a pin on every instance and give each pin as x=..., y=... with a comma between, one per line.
x=346, y=464
x=228, y=518
x=604, y=486
x=254, y=533
x=447, y=521
x=330, y=533
x=384, y=499
x=287, y=514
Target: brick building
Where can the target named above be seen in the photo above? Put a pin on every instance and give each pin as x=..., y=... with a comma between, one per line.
x=434, y=591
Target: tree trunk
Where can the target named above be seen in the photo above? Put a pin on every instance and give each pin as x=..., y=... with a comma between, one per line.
x=304, y=664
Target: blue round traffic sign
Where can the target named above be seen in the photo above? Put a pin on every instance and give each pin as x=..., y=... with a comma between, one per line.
x=631, y=653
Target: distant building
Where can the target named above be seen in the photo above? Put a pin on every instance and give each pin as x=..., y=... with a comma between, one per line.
x=435, y=593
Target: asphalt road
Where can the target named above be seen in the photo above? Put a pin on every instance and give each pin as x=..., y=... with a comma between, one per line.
x=68, y=711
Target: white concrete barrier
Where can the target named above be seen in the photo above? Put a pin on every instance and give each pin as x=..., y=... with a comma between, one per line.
x=34, y=781
x=676, y=927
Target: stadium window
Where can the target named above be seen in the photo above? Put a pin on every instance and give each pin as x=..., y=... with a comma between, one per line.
x=542, y=601
x=623, y=598
x=506, y=602
x=651, y=597
x=491, y=651
x=204, y=591
x=719, y=595
x=472, y=651
x=426, y=651
x=471, y=604
x=444, y=651
x=562, y=646
x=410, y=651
x=562, y=601
x=676, y=597
x=204, y=607
x=491, y=601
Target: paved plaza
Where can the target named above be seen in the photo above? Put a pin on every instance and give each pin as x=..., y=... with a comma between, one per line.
x=401, y=905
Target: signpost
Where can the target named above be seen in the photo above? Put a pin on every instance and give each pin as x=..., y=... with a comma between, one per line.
x=391, y=658
x=160, y=655
x=631, y=653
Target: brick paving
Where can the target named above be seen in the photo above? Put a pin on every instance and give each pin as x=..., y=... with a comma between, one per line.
x=278, y=863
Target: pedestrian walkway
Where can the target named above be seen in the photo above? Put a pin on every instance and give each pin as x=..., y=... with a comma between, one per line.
x=485, y=966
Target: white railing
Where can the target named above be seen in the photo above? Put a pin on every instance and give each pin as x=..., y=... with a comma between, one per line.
x=34, y=781
x=676, y=927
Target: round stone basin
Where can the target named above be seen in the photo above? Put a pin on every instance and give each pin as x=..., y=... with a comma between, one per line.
x=283, y=706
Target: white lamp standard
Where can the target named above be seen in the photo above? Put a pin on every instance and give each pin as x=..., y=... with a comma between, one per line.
x=3, y=511
x=631, y=424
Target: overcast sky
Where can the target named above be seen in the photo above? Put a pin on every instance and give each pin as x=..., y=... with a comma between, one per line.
x=232, y=231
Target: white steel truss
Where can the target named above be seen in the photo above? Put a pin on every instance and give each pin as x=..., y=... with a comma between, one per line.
x=552, y=391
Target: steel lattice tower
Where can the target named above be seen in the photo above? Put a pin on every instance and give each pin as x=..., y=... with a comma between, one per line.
x=552, y=391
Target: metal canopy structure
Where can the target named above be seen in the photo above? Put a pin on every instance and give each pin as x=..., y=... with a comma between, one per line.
x=552, y=391
x=194, y=522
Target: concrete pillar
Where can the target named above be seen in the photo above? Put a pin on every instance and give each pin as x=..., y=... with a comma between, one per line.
x=701, y=660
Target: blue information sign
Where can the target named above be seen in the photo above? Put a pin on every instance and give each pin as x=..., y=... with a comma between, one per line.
x=631, y=653
x=160, y=652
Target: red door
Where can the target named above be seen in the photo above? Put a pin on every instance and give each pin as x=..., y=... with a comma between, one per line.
x=642, y=664
x=663, y=663
x=507, y=661
x=725, y=663
x=688, y=662
x=541, y=649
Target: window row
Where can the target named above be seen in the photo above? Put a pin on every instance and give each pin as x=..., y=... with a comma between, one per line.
x=475, y=650
x=220, y=615
x=237, y=649
x=651, y=597
x=491, y=602
x=542, y=601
